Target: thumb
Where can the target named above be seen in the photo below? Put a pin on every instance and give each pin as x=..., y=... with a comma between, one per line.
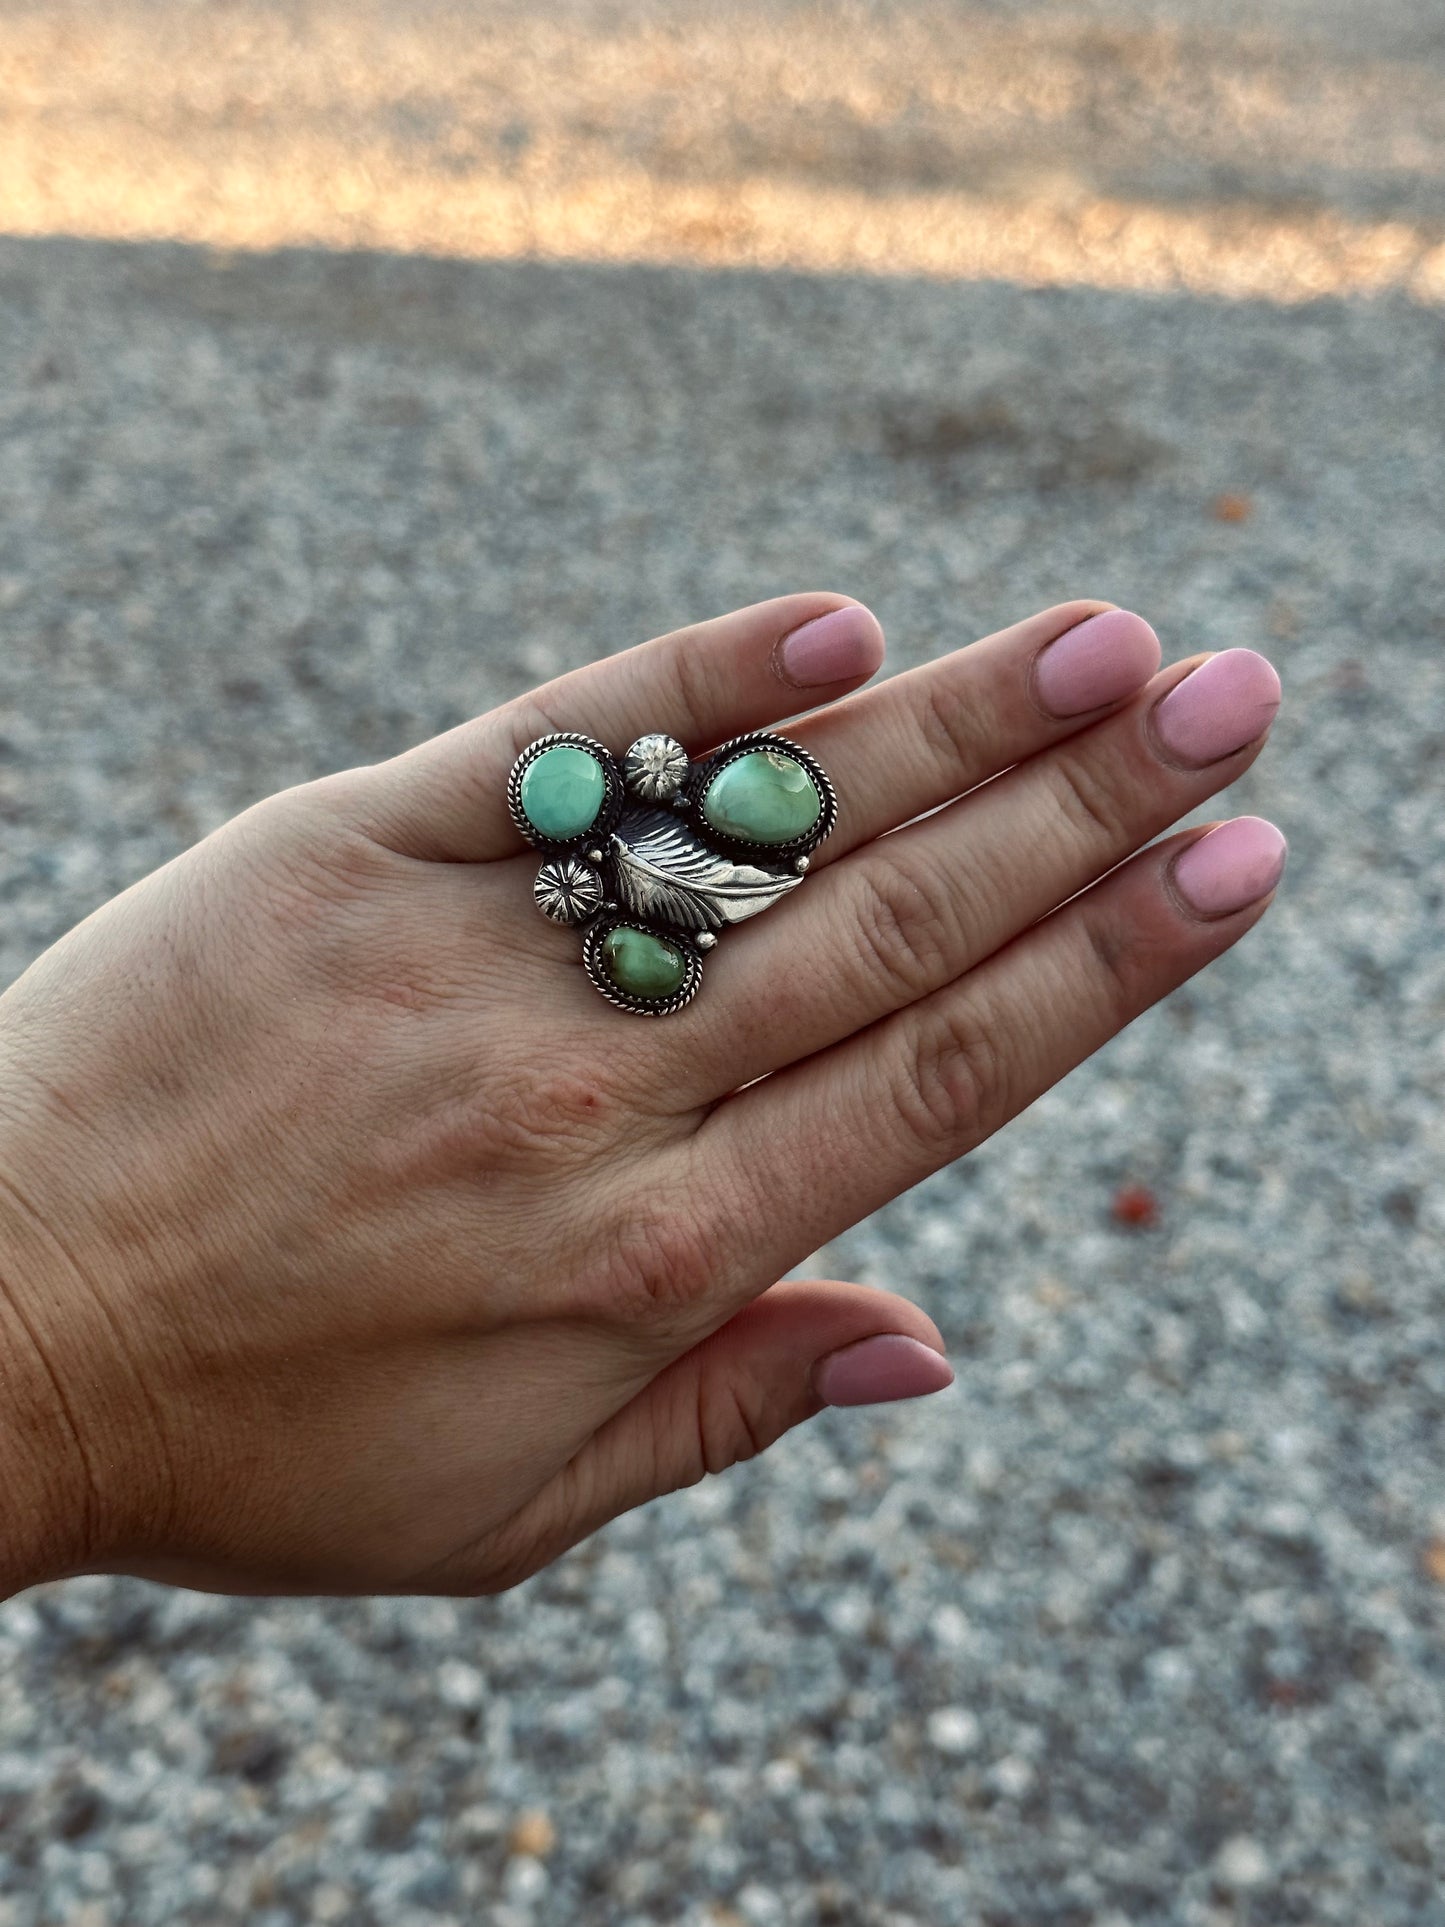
x=800, y=1346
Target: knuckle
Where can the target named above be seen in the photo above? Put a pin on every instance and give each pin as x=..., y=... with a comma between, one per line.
x=955, y=732
x=952, y=1083
x=690, y=668
x=526, y=718
x=334, y=801
x=290, y=867
x=1087, y=800
x=653, y=1260
x=559, y=1107
x=905, y=928
x=547, y=1115
x=731, y=1423
x=472, y=750
x=1121, y=961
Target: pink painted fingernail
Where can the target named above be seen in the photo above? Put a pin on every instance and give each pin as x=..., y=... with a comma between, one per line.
x=875, y=1370
x=1096, y=662
x=1232, y=866
x=1223, y=705
x=838, y=647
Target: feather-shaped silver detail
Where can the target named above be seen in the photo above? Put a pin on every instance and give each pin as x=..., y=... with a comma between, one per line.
x=665, y=873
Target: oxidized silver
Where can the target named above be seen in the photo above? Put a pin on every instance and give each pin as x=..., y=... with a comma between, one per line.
x=568, y=890
x=593, y=939
x=668, y=875
x=654, y=768
x=650, y=863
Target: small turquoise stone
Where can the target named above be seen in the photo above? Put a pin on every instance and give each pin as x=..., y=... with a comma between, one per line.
x=764, y=797
x=641, y=964
x=562, y=791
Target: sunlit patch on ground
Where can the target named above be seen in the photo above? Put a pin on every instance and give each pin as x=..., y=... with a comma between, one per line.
x=950, y=143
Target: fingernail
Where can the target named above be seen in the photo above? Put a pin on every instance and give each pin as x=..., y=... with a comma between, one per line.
x=1223, y=705
x=875, y=1370
x=1232, y=866
x=1096, y=662
x=837, y=647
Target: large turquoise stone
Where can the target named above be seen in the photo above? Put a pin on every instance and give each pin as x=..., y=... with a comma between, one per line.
x=764, y=797
x=562, y=791
x=641, y=964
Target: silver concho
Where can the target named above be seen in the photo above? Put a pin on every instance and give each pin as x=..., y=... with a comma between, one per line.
x=568, y=890
x=651, y=881
x=654, y=768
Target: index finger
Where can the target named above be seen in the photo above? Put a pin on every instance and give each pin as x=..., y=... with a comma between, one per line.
x=445, y=799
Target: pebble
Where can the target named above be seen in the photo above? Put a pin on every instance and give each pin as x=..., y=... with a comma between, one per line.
x=1242, y=1863
x=953, y=1729
x=532, y=1834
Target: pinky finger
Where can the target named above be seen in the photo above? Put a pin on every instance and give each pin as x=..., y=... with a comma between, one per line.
x=837, y=1135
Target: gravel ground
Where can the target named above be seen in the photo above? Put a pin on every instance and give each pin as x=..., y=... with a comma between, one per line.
x=1141, y=1624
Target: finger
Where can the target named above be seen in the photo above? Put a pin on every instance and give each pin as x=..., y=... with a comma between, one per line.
x=923, y=738
x=446, y=799
x=910, y=912
x=779, y=1361
x=1080, y=656
x=823, y=1143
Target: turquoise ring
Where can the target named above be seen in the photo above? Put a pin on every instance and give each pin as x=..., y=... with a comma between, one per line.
x=653, y=855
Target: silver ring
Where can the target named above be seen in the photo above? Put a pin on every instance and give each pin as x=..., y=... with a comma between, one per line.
x=653, y=855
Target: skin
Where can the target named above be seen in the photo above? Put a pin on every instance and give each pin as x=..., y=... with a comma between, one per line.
x=350, y=1242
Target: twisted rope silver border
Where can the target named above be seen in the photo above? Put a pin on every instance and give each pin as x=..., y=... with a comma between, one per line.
x=613, y=795
x=703, y=773
x=593, y=938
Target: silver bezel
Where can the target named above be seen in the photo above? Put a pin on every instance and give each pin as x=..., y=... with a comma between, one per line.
x=703, y=773
x=592, y=940
x=613, y=795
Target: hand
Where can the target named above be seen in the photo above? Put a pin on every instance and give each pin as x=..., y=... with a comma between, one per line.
x=350, y=1241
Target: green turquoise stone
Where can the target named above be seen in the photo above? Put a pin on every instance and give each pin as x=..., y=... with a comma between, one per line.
x=641, y=964
x=562, y=791
x=763, y=797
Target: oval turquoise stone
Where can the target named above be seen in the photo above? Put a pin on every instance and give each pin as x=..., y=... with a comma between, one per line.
x=562, y=791
x=763, y=797
x=641, y=964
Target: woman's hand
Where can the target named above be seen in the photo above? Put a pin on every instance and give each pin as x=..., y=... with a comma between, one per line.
x=350, y=1241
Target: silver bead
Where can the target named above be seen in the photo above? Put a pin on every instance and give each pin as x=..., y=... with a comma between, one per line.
x=705, y=940
x=654, y=768
x=568, y=890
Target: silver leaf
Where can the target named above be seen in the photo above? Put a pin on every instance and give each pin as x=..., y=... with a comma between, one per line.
x=665, y=873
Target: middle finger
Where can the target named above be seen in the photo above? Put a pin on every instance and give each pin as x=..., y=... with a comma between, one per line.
x=922, y=738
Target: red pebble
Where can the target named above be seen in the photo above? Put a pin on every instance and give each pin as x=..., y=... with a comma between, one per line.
x=1136, y=1206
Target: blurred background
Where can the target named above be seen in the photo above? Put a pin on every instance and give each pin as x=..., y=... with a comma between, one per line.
x=361, y=364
